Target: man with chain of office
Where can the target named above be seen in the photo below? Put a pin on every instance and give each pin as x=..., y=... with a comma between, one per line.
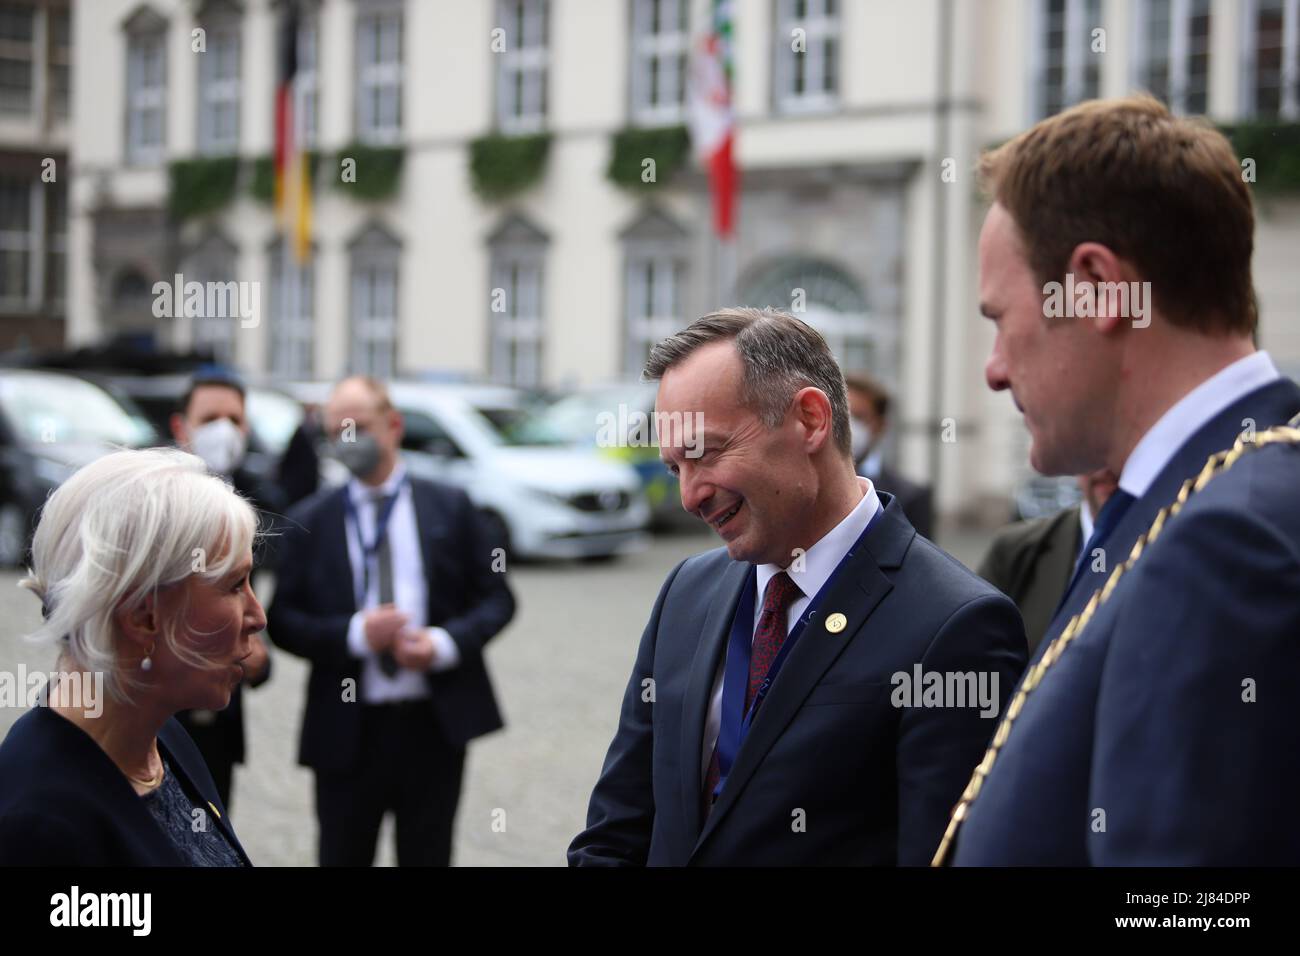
x=1159, y=722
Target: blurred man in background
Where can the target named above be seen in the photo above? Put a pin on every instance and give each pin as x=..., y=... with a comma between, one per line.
x=391, y=587
x=869, y=410
x=1032, y=561
x=211, y=423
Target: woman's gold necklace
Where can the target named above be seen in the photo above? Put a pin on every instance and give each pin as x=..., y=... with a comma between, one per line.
x=151, y=781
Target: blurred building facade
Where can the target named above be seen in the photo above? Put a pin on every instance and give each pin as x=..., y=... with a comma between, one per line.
x=35, y=104
x=858, y=210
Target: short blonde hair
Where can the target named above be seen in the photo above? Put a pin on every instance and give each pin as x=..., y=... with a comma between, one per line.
x=123, y=527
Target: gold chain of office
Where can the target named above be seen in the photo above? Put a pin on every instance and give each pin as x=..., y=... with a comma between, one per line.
x=1216, y=464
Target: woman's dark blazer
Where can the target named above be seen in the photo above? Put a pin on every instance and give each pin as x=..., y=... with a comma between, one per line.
x=63, y=802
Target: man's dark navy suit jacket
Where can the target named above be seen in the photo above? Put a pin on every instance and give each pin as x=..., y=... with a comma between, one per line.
x=875, y=783
x=1141, y=745
x=315, y=600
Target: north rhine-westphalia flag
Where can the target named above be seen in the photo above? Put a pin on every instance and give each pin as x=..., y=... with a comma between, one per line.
x=712, y=121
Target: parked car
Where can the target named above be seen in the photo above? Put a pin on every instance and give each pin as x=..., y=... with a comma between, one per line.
x=544, y=497
x=50, y=425
x=584, y=418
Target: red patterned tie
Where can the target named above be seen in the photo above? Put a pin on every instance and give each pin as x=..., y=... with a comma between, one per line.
x=770, y=635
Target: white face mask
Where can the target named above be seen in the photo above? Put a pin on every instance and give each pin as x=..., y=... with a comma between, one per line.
x=860, y=434
x=220, y=444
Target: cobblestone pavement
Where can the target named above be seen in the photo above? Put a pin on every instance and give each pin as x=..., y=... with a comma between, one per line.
x=559, y=670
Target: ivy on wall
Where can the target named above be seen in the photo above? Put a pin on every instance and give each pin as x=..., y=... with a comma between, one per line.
x=197, y=187
x=368, y=172
x=667, y=146
x=503, y=166
x=1273, y=149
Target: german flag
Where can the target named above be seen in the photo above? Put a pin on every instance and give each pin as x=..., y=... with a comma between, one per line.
x=292, y=175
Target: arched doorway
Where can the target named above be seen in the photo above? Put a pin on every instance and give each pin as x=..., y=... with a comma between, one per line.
x=833, y=302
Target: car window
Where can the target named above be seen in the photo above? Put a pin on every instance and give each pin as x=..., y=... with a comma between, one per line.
x=523, y=426
x=421, y=432
x=273, y=417
x=50, y=409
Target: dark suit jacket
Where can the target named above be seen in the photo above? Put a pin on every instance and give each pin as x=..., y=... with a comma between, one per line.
x=916, y=500
x=1031, y=562
x=1137, y=747
x=314, y=603
x=63, y=802
x=876, y=781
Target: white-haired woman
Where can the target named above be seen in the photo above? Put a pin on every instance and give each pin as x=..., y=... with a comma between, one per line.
x=141, y=561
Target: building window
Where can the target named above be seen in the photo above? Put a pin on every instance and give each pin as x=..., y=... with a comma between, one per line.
x=1173, y=49
x=33, y=244
x=307, y=80
x=56, y=271
x=656, y=253
x=18, y=241
x=219, y=86
x=1067, y=71
x=516, y=347
x=146, y=96
x=17, y=56
x=522, y=66
x=379, y=74
x=376, y=259
x=60, y=64
x=660, y=55
x=1273, y=60
x=516, y=316
x=654, y=286
x=292, y=307
x=212, y=264
x=807, y=61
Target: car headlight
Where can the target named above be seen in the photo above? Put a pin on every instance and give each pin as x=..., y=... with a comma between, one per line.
x=550, y=497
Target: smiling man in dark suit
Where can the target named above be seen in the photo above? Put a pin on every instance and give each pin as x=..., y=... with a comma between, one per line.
x=1160, y=723
x=775, y=714
x=389, y=587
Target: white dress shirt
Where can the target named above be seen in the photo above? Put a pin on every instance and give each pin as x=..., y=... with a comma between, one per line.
x=1193, y=410
x=819, y=562
x=1085, y=527
x=410, y=591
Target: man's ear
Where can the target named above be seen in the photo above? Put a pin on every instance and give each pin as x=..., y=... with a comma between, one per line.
x=1096, y=268
x=812, y=409
x=178, y=428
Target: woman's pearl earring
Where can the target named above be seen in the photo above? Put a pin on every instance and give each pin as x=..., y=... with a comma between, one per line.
x=147, y=663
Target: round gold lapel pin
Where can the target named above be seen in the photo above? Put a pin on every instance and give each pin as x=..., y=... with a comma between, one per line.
x=836, y=623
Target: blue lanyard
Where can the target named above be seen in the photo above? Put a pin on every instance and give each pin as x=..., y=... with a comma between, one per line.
x=735, y=719
x=369, y=551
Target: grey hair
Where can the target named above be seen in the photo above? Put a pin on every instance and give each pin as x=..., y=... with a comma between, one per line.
x=780, y=355
x=123, y=527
